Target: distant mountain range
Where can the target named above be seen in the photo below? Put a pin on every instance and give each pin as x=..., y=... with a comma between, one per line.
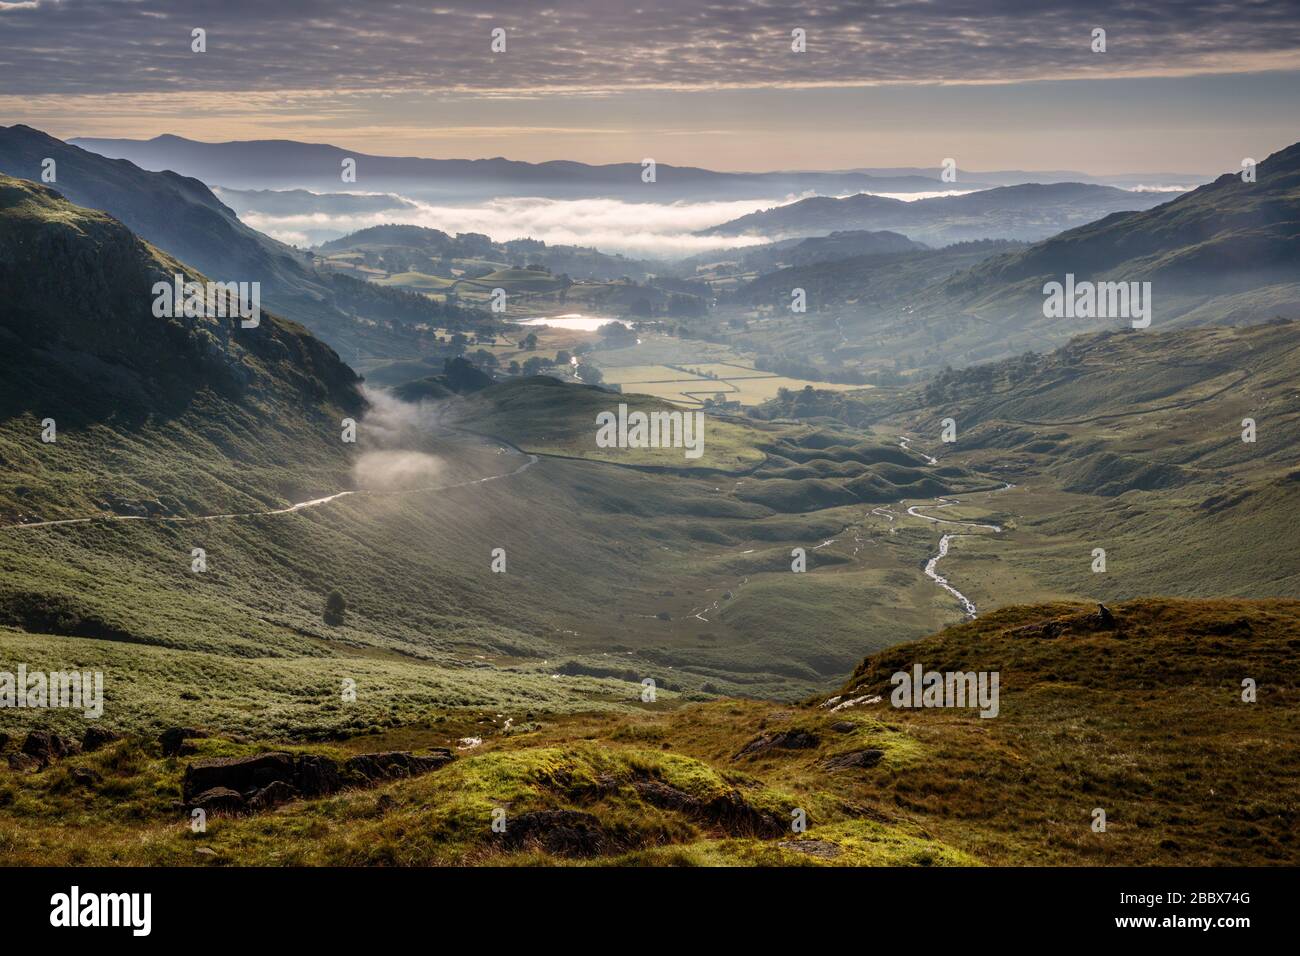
x=1025, y=212
x=181, y=216
x=287, y=164
x=806, y=252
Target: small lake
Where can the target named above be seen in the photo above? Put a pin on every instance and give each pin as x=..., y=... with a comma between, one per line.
x=571, y=320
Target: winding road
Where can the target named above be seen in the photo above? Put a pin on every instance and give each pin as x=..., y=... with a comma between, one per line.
x=291, y=509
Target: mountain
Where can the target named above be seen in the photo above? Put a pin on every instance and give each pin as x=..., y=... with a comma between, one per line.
x=802, y=252
x=432, y=252
x=878, y=280
x=201, y=407
x=183, y=217
x=1226, y=236
x=1025, y=212
x=1014, y=177
x=286, y=164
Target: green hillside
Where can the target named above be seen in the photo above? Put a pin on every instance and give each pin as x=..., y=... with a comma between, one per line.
x=182, y=217
x=722, y=783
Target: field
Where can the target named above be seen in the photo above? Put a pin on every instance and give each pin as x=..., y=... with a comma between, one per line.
x=683, y=379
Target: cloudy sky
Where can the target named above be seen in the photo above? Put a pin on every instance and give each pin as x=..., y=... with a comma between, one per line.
x=1183, y=86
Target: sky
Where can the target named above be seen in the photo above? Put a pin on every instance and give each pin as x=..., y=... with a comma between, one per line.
x=1182, y=87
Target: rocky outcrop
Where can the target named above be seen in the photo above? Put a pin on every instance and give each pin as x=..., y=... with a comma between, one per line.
x=782, y=740
x=267, y=780
x=854, y=759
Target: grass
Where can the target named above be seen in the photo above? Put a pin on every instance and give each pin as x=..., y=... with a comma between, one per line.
x=1145, y=721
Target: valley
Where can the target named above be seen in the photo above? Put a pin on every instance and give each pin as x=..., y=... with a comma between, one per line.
x=372, y=543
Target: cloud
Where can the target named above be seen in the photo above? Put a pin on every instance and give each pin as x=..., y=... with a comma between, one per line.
x=594, y=46
x=610, y=225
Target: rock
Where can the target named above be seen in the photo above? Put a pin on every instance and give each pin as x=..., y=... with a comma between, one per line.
x=83, y=777
x=241, y=774
x=4, y=740
x=728, y=810
x=784, y=740
x=861, y=759
x=22, y=762
x=96, y=737
x=47, y=747
x=844, y=726
x=316, y=776
x=272, y=795
x=173, y=738
x=558, y=832
x=831, y=702
x=205, y=853
x=390, y=765
x=217, y=800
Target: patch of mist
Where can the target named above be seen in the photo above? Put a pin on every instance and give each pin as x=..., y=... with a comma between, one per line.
x=396, y=438
x=657, y=230
x=395, y=470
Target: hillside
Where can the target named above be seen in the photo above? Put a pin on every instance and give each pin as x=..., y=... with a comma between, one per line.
x=1085, y=712
x=204, y=410
x=181, y=216
x=1025, y=212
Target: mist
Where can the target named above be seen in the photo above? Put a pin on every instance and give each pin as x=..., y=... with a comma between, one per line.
x=394, y=436
x=652, y=230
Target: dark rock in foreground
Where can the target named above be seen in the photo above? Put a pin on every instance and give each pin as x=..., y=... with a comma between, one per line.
x=267, y=780
x=784, y=740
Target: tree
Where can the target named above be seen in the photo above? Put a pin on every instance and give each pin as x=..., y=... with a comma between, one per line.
x=530, y=341
x=335, y=608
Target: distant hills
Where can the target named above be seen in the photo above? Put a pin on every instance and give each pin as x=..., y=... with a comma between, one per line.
x=1025, y=212
x=183, y=217
x=404, y=248
x=287, y=164
x=1225, y=235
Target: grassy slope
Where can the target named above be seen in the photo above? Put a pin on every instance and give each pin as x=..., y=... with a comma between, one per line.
x=1132, y=443
x=1145, y=721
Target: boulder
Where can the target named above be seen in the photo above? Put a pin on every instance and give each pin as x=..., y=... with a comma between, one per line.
x=392, y=764
x=272, y=795
x=46, y=747
x=844, y=726
x=316, y=776
x=784, y=740
x=96, y=737
x=83, y=777
x=218, y=800
x=241, y=774
x=21, y=762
